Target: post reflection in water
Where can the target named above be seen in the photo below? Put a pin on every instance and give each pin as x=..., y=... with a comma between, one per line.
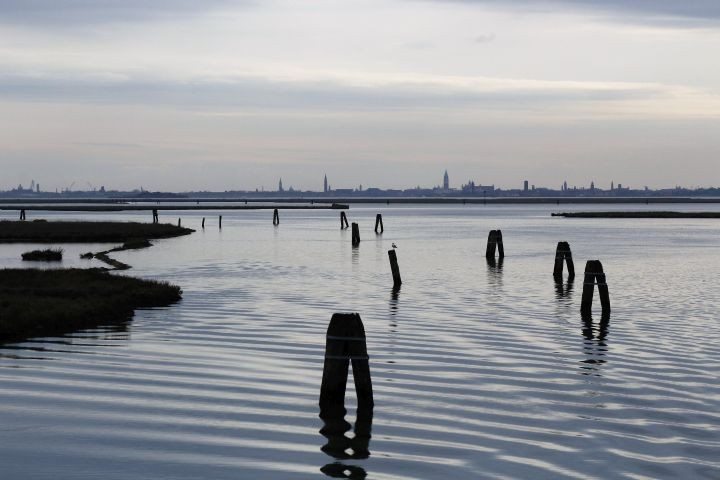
x=494, y=270
x=563, y=290
x=595, y=345
x=394, y=296
x=342, y=447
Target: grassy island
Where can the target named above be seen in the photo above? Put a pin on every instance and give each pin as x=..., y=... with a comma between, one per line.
x=47, y=255
x=85, y=232
x=52, y=302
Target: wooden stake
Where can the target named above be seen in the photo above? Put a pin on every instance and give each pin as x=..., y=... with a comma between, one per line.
x=594, y=273
x=343, y=221
x=276, y=217
x=563, y=255
x=397, y=281
x=379, y=223
x=355, y=234
x=345, y=344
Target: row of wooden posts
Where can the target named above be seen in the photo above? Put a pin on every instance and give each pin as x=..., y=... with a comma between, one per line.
x=346, y=344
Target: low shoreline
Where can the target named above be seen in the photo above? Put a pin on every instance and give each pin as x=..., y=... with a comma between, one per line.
x=36, y=302
x=637, y=214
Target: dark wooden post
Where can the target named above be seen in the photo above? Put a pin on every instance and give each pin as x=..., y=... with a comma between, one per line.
x=178, y=222
x=355, y=234
x=220, y=222
x=379, y=223
x=343, y=221
x=594, y=273
x=156, y=218
x=494, y=240
x=203, y=223
x=22, y=214
x=345, y=343
x=563, y=255
x=397, y=281
x=276, y=217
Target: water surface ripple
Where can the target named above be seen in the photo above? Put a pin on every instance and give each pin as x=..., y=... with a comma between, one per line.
x=479, y=370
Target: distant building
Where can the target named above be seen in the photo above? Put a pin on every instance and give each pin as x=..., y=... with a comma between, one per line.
x=525, y=186
x=446, y=181
x=280, y=187
x=325, y=185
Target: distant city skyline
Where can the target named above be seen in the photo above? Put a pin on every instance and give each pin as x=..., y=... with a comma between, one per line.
x=223, y=94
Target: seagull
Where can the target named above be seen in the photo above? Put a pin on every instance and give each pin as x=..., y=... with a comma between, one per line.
x=393, y=245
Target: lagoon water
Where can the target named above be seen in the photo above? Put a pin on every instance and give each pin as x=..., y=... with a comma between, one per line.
x=478, y=371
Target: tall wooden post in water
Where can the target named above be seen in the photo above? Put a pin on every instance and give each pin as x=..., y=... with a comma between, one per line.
x=563, y=255
x=345, y=344
x=379, y=224
x=495, y=241
x=397, y=281
x=594, y=274
x=276, y=217
x=343, y=221
x=355, y=234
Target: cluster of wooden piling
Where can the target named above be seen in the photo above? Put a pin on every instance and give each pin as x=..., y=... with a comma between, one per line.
x=495, y=242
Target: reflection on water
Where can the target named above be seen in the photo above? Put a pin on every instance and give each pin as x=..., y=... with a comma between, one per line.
x=394, y=296
x=342, y=447
x=595, y=346
x=563, y=290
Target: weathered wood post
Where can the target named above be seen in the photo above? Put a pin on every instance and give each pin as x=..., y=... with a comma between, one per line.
x=22, y=214
x=276, y=217
x=379, y=223
x=397, y=281
x=563, y=255
x=178, y=222
x=203, y=223
x=343, y=221
x=495, y=240
x=156, y=218
x=355, y=234
x=345, y=344
x=220, y=222
x=594, y=274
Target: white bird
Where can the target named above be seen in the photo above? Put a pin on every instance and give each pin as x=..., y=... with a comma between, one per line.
x=393, y=245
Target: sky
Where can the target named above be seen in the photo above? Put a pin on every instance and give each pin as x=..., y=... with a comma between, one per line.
x=179, y=95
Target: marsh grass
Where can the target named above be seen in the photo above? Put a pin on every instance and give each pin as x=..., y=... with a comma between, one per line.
x=47, y=255
x=37, y=302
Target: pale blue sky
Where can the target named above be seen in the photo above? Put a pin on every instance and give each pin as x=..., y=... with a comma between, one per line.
x=225, y=94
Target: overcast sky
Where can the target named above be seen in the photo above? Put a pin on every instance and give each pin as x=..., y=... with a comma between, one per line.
x=232, y=94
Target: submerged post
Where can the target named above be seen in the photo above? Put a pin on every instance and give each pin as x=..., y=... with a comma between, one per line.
x=355, y=234
x=494, y=240
x=397, y=281
x=379, y=223
x=345, y=344
x=594, y=274
x=563, y=255
x=276, y=217
x=343, y=221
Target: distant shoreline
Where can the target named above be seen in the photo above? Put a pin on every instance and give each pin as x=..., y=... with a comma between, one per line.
x=637, y=214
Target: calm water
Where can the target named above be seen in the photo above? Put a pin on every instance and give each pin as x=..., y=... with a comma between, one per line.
x=478, y=372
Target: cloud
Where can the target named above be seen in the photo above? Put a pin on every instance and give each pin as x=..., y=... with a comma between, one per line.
x=485, y=38
x=313, y=93
x=79, y=12
x=670, y=12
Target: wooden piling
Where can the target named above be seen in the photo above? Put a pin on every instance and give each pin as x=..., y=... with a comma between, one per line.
x=22, y=214
x=355, y=234
x=495, y=241
x=379, y=223
x=397, y=281
x=276, y=217
x=563, y=255
x=594, y=274
x=156, y=218
x=343, y=221
x=178, y=222
x=203, y=223
x=345, y=344
x=220, y=222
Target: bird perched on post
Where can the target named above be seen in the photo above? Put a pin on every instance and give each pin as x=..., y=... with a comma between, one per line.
x=394, y=246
